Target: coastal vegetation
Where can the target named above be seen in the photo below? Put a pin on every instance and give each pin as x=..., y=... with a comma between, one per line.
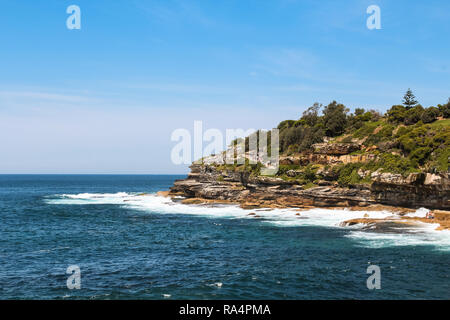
x=332, y=157
x=407, y=139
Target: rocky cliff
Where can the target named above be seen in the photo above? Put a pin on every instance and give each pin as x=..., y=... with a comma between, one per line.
x=210, y=183
x=358, y=161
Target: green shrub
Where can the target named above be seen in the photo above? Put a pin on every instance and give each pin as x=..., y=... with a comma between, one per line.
x=397, y=164
x=430, y=114
x=420, y=155
x=283, y=168
x=309, y=174
x=366, y=130
x=385, y=134
x=413, y=115
x=348, y=174
x=445, y=109
x=396, y=114
x=442, y=159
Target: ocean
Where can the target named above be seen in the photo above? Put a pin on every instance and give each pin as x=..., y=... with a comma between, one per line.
x=133, y=246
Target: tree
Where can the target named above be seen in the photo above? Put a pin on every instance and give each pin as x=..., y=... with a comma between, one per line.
x=376, y=115
x=335, y=119
x=290, y=136
x=430, y=114
x=286, y=124
x=413, y=115
x=409, y=99
x=396, y=114
x=445, y=109
x=311, y=116
x=310, y=136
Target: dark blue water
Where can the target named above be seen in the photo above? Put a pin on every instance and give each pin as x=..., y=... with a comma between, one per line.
x=126, y=253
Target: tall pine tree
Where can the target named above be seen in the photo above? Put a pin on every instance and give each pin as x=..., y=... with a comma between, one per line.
x=409, y=100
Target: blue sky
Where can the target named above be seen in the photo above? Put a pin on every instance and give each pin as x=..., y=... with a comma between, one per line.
x=105, y=99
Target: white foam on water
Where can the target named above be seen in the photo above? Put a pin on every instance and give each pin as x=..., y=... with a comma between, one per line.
x=419, y=213
x=425, y=234
x=96, y=195
x=91, y=198
x=421, y=234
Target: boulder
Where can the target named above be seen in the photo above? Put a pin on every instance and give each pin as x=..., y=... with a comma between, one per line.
x=433, y=179
x=335, y=148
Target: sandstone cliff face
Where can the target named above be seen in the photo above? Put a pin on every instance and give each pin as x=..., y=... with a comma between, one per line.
x=335, y=148
x=415, y=191
x=206, y=181
x=305, y=159
x=329, y=154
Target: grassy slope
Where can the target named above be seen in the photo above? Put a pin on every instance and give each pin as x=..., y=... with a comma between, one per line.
x=399, y=149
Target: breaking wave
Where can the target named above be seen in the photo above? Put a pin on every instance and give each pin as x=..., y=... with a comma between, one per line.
x=398, y=235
